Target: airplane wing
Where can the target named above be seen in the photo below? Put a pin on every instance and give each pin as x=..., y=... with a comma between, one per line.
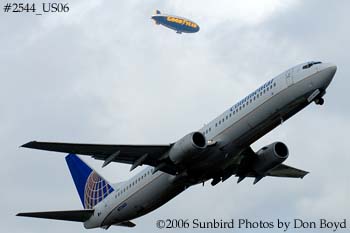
x=243, y=167
x=287, y=171
x=130, y=154
x=68, y=215
x=281, y=170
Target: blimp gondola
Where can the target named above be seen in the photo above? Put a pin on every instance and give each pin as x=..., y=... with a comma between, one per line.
x=176, y=23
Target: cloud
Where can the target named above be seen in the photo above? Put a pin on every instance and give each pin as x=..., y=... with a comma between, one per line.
x=107, y=74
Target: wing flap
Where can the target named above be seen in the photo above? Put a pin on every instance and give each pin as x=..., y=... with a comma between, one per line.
x=68, y=215
x=283, y=170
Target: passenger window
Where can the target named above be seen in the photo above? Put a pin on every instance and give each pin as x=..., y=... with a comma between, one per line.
x=230, y=114
x=216, y=124
x=209, y=129
x=243, y=105
x=219, y=122
x=226, y=117
x=240, y=107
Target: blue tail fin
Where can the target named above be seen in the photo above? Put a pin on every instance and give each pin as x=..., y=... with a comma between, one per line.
x=92, y=188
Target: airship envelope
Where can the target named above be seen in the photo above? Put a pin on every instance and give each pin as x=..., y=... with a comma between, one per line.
x=176, y=23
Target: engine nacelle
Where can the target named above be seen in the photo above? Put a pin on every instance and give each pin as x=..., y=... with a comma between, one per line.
x=269, y=157
x=187, y=147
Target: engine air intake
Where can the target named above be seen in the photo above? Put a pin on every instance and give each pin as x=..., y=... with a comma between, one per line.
x=199, y=139
x=281, y=150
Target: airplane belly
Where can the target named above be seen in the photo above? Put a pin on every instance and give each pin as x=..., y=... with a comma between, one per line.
x=149, y=197
x=259, y=121
x=276, y=110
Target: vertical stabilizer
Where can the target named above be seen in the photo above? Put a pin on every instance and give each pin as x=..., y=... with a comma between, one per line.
x=91, y=187
x=157, y=12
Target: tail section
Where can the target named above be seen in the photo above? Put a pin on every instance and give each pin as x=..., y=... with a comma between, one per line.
x=157, y=12
x=92, y=188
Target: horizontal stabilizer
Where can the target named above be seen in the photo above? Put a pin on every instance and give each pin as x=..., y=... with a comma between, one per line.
x=68, y=215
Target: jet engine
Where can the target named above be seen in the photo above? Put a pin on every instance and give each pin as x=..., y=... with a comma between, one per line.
x=187, y=148
x=269, y=157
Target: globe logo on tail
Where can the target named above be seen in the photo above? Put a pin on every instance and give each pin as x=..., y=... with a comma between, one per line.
x=96, y=189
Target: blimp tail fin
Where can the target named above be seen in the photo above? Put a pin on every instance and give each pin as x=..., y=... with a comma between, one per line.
x=92, y=188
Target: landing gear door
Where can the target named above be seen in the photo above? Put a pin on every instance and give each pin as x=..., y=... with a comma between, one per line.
x=289, y=77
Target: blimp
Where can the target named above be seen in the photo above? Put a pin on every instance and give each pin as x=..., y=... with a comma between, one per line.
x=176, y=23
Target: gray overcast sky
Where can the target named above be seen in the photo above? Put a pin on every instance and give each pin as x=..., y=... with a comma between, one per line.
x=105, y=73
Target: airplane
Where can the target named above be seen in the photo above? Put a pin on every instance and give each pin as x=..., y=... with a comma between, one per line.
x=217, y=151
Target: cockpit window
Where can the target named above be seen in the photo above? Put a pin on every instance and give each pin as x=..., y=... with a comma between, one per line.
x=308, y=65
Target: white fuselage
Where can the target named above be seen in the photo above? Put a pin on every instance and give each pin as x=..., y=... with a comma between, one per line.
x=236, y=128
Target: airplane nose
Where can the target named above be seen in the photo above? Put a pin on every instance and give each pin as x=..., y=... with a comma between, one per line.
x=332, y=68
x=328, y=73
